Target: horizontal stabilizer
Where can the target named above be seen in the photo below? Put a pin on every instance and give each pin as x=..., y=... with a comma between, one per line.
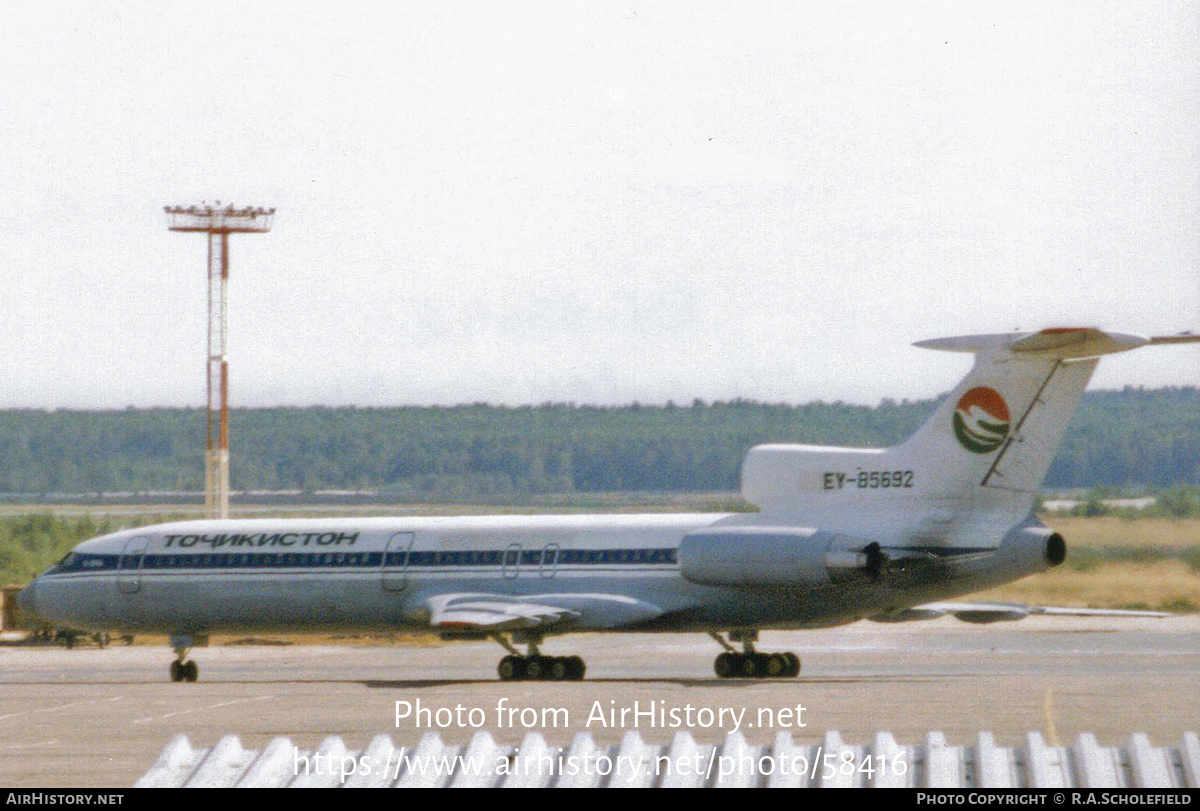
x=1181, y=338
x=1056, y=342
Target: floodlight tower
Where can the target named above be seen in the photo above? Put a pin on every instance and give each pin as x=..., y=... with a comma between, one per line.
x=218, y=223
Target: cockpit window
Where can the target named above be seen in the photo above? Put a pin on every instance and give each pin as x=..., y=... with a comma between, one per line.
x=67, y=560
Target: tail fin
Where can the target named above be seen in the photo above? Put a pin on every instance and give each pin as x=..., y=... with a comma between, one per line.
x=998, y=430
x=1001, y=425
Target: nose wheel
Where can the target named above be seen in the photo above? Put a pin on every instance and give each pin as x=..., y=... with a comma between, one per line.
x=184, y=669
x=536, y=667
x=750, y=664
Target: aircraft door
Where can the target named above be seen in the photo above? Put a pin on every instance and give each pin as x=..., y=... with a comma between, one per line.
x=395, y=561
x=512, y=561
x=549, y=560
x=129, y=569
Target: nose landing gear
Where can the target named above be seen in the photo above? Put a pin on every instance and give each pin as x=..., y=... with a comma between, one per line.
x=749, y=663
x=183, y=669
x=536, y=667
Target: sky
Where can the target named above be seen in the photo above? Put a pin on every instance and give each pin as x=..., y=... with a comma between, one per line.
x=591, y=202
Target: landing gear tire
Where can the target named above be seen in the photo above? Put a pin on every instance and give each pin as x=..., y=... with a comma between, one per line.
x=726, y=665
x=541, y=668
x=750, y=665
x=184, y=671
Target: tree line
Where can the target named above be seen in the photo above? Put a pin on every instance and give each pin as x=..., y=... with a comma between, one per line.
x=1118, y=438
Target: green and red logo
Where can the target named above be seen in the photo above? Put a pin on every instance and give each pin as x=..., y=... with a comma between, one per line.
x=981, y=420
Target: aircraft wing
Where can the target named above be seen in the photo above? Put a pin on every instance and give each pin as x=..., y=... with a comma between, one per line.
x=1002, y=612
x=503, y=612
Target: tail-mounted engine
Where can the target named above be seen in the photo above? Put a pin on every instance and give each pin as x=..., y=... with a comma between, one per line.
x=778, y=556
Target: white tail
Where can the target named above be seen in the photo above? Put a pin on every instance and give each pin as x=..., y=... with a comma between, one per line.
x=1001, y=425
x=986, y=447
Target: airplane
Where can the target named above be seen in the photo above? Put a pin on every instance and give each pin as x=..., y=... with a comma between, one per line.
x=841, y=535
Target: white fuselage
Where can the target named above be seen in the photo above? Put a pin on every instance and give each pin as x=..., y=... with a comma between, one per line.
x=618, y=571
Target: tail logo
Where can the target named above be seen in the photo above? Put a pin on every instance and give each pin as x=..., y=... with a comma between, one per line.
x=981, y=420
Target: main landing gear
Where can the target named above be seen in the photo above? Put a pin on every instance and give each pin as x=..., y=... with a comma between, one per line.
x=535, y=666
x=749, y=663
x=183, y=669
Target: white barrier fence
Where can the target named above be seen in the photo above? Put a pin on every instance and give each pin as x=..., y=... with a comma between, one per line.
x=683, y=762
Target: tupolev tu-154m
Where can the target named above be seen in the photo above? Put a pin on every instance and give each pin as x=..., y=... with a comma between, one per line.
x=842, y=534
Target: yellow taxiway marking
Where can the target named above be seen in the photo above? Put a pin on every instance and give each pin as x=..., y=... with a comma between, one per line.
x=1048, y=710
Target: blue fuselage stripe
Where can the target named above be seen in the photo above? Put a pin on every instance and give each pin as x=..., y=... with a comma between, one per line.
x=88, y=563
x=83, y=563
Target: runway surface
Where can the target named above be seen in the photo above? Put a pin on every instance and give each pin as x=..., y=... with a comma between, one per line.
x=90, y=717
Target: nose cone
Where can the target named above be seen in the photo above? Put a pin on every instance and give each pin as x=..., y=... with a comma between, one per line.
x=26, y=600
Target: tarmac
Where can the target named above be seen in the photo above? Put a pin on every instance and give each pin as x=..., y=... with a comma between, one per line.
x=95, y=718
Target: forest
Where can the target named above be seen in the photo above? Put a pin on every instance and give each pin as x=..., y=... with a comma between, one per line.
x=1123, y=438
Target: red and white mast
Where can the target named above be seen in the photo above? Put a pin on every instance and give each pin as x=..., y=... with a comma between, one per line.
x=218, y=223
